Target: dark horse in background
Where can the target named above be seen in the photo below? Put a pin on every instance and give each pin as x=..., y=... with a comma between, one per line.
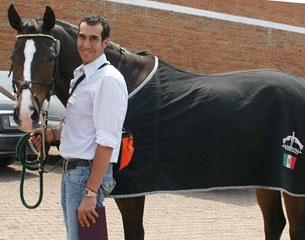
x=45, y=55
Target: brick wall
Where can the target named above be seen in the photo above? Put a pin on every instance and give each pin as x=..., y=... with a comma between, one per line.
x=194, y=43
x=287, y=13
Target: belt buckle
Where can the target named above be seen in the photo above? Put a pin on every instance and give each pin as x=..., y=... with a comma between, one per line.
x=64, y=164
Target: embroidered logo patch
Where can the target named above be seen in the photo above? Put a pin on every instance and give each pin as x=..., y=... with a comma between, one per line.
x=289, y=161
x=292, y=145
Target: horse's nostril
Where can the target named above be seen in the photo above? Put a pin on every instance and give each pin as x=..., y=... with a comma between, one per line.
x=16, y=115
x=35, y=115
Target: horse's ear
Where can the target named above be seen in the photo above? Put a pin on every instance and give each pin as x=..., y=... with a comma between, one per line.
x=14, y=18
x=48, y=19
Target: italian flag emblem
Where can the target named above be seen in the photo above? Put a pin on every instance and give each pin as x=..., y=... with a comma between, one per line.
x=289, y=161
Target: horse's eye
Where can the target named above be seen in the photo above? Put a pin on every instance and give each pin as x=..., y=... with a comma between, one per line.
x=13, y=59
x=51, y=59
x=49, y=44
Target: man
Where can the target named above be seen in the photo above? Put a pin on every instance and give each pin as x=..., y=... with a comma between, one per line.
x=91, y=135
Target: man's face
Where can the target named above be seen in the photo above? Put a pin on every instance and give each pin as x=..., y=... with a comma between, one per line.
x=89, y=42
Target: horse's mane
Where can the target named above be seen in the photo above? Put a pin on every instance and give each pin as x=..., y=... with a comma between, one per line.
x=68, y=27
x=72, y=30
x=117, y=47
x=143, y=53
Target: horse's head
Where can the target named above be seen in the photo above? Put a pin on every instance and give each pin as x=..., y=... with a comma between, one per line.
x=34, y=65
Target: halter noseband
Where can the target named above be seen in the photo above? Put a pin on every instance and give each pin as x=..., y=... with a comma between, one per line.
x=26, y=84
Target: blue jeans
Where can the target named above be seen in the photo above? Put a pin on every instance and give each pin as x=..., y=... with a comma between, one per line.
x=72, y=187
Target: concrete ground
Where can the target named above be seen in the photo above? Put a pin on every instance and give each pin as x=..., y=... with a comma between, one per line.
x=215, y=215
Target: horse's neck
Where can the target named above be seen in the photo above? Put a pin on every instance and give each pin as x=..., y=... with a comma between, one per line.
x=134, y=67
x=68, y=60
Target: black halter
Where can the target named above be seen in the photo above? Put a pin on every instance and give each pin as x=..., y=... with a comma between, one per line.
x=26, y=84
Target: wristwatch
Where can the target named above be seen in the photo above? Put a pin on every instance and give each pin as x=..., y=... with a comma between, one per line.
x=88, y=193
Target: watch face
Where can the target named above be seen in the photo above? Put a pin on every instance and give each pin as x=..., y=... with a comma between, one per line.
x=89, y=193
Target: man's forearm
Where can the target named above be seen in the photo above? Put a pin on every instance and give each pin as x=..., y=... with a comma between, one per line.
x=53, y=134
x=99, y=167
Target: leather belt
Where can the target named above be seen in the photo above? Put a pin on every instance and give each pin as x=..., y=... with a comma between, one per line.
x=73, y=163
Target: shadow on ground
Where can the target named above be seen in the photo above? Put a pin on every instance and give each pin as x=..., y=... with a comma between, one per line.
x=13, y=171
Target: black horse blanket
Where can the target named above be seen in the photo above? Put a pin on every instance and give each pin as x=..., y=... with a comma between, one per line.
x=204, y=132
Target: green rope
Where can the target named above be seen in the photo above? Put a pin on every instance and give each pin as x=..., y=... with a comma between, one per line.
x=33, y=165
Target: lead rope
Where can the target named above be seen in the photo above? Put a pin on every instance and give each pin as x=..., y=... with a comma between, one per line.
x=33, y=165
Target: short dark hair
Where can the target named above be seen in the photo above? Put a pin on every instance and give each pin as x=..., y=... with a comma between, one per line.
x=95, y=20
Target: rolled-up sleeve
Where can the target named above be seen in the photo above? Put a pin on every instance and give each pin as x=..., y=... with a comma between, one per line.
x=109, y=110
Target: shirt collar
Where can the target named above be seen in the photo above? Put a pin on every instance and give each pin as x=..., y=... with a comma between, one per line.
x=90, y=68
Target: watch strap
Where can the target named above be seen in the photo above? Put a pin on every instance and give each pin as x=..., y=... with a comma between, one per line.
x=88, y=193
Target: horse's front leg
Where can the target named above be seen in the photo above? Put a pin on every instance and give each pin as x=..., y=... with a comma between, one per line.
x=132, y=210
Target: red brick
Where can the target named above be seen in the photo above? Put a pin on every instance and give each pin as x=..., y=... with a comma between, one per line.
x=190, y=42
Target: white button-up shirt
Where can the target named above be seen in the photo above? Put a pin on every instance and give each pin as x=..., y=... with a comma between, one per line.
x=95, y=112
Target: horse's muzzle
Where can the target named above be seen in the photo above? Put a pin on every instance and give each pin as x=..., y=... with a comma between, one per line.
x=27, y=125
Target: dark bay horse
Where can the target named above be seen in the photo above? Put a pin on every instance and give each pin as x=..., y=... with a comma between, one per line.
x=45, y=55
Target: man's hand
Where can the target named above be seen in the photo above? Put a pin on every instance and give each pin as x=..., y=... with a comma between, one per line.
x=86, y=211
x=36, y=137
